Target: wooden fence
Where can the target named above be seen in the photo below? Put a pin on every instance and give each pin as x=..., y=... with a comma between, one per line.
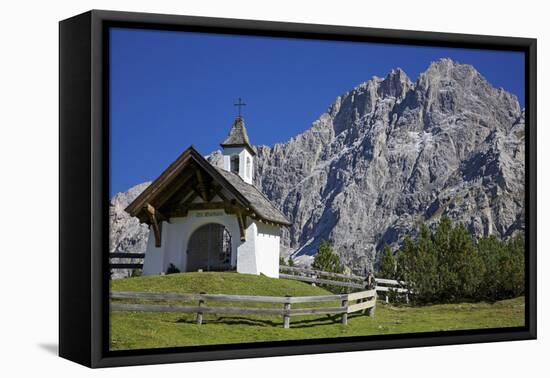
x=126, y=256
x=383, y=286
x=365, y=301
x=350, y=281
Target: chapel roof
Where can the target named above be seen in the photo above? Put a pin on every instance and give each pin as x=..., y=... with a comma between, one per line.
x=261, y=204
x=182, y=176
x=238, y=137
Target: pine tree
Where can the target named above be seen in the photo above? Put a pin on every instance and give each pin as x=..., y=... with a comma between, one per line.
x=407, y=263
x=427, y=264
x=388, y=264
x=290, y=261
x=490, y=250
x=449, y=265
x=465, y=263
x=514, y=266
x=442, y=240
x=326, y=260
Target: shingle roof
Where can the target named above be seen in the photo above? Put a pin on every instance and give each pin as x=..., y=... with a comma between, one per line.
x=261, y=205
x=238, y=135
x=248, y=195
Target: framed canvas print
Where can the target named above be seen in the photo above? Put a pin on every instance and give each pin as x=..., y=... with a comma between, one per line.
x=235, y=188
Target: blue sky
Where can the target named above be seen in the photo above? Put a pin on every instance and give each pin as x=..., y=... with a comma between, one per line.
x=173, y=89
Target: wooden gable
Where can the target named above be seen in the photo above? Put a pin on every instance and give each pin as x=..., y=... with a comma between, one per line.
x=177, y=189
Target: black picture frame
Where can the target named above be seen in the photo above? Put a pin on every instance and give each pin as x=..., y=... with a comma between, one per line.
x=83, y=196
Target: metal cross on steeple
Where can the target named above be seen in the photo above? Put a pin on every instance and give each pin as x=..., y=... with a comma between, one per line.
x=240, y=104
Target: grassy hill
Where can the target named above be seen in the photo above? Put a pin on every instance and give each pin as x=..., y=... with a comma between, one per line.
x=136, y=330
x=216, y=283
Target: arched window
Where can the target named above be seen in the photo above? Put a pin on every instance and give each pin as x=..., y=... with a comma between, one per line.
x=248, y=172
x=235, y=164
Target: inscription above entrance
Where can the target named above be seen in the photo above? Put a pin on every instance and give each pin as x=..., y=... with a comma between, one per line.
x=202, y=214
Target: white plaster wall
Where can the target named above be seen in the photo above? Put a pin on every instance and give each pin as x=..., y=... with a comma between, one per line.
x=268, y=249
x=258, y=254
x=243, y=155
x=176, y=234
x=246, y=254
x=153, y=262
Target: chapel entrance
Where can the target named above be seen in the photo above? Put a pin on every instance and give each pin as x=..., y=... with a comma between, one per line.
x=209, y=248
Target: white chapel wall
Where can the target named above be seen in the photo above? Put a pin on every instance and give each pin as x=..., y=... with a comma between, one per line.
x=154, y=257
x=176, y=234
x=247, y=252
x=258, y=254
x=268, y=247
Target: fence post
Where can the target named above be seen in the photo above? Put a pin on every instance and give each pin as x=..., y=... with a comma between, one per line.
x=370, y=310
x=199, y=313
x=314, y=276
x=345, y=314
x=286, y=313
x=364, y=311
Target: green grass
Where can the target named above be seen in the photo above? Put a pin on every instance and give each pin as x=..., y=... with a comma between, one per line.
x=138, y=330
x=216, y=283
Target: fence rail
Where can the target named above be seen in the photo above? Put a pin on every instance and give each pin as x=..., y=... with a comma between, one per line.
x=321, y=281
x=351, y=281
x=126, y=265
x=321, y=273
x=384, y=286
x=365, y=301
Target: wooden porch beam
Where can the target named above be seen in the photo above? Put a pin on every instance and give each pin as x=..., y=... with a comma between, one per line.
x=177, y=185
x=242, y=225
x=156, y=219
x=183, y=193
x=206, y=206
x=152, y=210
x=223, y=196
x=217, y=191
x=186, y=207
x=202, y=186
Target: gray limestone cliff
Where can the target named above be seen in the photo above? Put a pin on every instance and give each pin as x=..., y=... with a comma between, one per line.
x=126, y=234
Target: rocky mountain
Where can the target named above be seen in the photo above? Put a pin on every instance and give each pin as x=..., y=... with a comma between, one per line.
x=126, y=234
x=391, y=154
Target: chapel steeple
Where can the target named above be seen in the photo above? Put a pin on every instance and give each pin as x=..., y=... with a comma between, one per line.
x=238, y=154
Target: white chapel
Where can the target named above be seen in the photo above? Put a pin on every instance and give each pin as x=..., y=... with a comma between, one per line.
x=202, y=217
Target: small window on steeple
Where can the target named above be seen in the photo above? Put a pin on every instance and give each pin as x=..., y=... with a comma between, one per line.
x=248, y=174
x=235, y=164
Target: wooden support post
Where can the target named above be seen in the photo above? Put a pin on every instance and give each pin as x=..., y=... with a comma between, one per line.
x=216, y=191
x=286, y=316
x=345, y=314
x=156, y=219
x=314, y=277
x=202, y=186
x=242, y=226
x=370, y=310
x=361, y=301
x=157, y=231
x=407, y=298
x=387, y=299
x=199, y=314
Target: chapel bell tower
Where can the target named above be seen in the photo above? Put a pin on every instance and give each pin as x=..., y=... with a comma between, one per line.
x=238, y=155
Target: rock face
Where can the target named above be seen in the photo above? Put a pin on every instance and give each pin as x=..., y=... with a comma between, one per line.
x=391, y=154
x=126, y=234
